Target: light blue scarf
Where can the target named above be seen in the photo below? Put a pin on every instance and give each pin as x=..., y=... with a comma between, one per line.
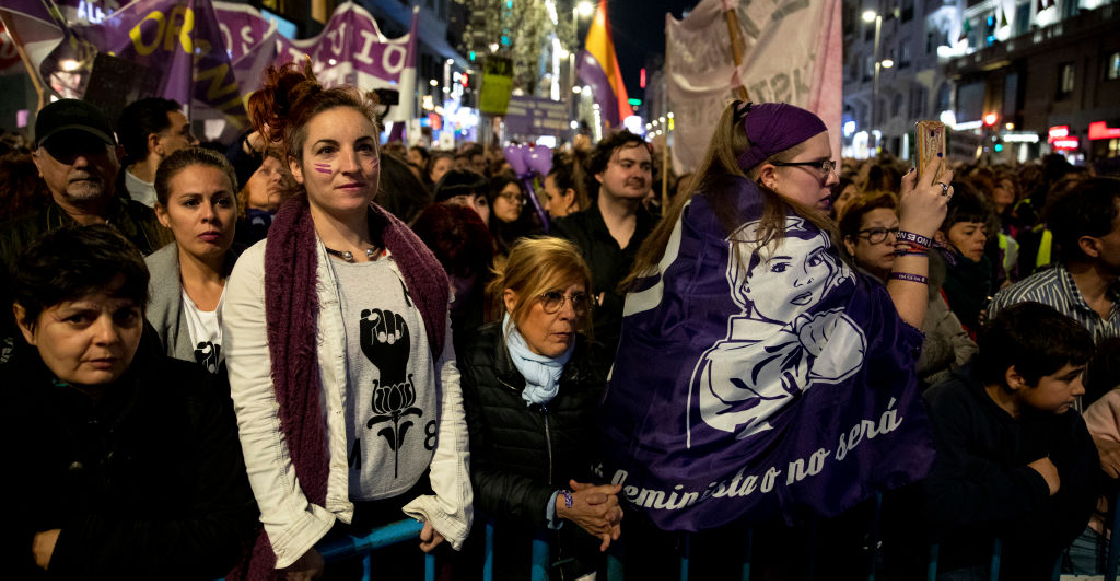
x=542, y=374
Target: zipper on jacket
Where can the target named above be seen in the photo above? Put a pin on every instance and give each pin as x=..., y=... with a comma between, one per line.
x=548, y=441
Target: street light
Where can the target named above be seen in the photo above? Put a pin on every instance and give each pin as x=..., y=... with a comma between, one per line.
x=869, y=17
x=586, y=9
x=888, y=63
x=576, y=89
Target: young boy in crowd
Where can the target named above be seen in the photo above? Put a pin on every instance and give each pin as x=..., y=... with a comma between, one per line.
x=1014, y=463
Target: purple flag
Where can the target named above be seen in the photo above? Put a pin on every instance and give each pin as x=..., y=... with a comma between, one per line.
x=591, y=73
x=182, y=40
x=760, y=379
x=252, y=42
x=351, y=50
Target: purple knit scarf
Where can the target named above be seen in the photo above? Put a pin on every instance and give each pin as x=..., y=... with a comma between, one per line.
x=773, y=128
x=292, y=306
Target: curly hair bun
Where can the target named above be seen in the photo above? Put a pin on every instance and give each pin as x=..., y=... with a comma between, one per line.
x=291, y=97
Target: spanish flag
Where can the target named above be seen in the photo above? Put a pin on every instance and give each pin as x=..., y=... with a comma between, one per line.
x=598, y=67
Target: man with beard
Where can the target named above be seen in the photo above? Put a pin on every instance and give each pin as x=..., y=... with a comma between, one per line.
x=77, y=157
x=611, y=230
x=1083, y=283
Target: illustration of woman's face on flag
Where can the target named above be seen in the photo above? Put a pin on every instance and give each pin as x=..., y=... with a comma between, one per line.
x=783, y=280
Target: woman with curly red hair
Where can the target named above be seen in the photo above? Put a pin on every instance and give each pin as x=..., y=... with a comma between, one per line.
x=340, y=360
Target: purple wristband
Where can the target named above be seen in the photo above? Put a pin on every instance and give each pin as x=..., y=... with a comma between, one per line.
x=908, y=277
x=567, y=494
x=915, y=238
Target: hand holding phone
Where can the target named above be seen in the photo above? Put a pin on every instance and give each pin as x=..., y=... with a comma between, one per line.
x=931, y=146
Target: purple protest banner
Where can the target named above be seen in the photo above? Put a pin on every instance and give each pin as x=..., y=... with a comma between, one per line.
x=352, y=50
x=252, y=42
x=758, y=379
x=182, y=39
x=531, y=116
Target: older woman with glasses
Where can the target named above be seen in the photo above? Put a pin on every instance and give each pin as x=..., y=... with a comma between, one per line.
x=869, y=230
x=532, y=383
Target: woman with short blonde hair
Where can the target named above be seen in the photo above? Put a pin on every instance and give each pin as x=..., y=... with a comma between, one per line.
x=532, y=383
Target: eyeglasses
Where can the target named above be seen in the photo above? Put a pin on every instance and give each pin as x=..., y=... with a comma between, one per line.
x=878, y=234
x=553, y=301
x=826, y=166
x=512, y=198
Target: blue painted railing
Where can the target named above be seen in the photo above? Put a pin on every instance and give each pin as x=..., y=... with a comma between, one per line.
x=363, y=547
x=405, y=530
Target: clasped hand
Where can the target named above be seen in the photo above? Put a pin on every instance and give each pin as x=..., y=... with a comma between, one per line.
x=595, y=509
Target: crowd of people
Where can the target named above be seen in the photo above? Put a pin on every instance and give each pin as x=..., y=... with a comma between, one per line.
x=220, y=358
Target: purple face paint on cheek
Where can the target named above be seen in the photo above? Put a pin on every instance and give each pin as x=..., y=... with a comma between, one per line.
x=323, y=168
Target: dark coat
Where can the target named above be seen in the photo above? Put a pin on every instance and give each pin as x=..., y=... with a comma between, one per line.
x=981, y=488
x=132, y=219
x=609, y=265
x=146, y=482
x=521, y=454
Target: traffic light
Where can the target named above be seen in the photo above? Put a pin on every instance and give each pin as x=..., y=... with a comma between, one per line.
x=990, y=119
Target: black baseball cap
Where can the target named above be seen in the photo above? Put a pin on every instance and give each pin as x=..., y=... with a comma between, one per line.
x=72, y=115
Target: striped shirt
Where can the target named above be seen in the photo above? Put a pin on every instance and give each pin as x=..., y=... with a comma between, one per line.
x=1055, y=287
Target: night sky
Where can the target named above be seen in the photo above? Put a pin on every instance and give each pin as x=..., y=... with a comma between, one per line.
x=638, y=27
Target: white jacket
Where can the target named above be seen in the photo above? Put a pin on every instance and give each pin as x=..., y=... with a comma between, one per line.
x=293, y=524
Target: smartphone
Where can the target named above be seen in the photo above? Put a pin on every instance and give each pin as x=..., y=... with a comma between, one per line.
x=931, y=144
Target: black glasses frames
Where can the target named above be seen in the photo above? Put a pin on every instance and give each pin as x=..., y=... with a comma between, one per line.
x=827, y=166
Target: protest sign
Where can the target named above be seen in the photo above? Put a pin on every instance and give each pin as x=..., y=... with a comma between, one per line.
x=212, y=55
x=497, y=85
x=352, y=50
x=793, y=55
x=534, y=116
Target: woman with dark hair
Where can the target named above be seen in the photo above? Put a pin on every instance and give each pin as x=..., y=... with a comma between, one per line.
x=532, y=383
x=21, y=188
x=401, y=193
x=260, y=197
x=465, y=188
x=869, y=229
x=749, y=347
x=341, y=365
x=969, y=282
x=511, y=213
x=844, y=192
x=127, y=460
x=462, y=245
x=564, y=197
x=195, y=200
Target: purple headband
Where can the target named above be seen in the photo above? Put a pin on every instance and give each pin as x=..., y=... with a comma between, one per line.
x=775, y=127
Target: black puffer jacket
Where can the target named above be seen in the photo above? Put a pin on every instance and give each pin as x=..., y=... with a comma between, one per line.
x=521, y=454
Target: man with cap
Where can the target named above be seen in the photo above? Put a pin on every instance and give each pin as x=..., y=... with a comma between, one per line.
x=77, y=156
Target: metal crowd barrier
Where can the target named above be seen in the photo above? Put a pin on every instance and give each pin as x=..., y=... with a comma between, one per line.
x=406, y=530
x=391, y=534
